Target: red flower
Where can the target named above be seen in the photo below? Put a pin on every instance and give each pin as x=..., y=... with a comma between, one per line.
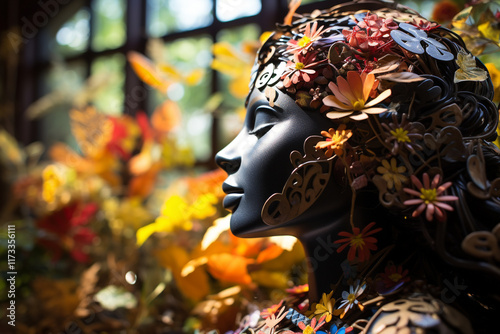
x=64, y=230
x=360, y=243
x=394, y=275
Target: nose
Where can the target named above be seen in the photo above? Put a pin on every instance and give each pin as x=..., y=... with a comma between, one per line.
x=228, y=161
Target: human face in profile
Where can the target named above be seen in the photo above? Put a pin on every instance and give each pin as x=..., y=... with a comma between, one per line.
x=258, y=160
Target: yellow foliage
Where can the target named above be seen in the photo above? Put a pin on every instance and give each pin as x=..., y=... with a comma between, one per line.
x=195, y=284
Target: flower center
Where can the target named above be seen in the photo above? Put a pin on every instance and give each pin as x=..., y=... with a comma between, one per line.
x=358, y=241
x=428, y=195
x=401, y=135
x=304, y=41
x=351, y=298
x=358, y=105
x=299, y=66
x=308, y=330
x=395, y=277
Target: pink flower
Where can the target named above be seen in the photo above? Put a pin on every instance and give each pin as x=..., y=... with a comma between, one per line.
x=429, y=198
x=311, y=35
x=300, y=69
x=371, y=34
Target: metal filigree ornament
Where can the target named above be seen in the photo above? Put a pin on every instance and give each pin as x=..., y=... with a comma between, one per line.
x=416, y=314
x=303, y=187
x=415, y=39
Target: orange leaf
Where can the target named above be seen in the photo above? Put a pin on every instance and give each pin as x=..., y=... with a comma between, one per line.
x=166, y=116
x=195, y=285
x=230, y=268
x=146, y=71
x=143, y=184
x=271, y=252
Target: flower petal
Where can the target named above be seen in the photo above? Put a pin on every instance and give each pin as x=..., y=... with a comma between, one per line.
x=382, y=96
x=337, y=115
x=356, y=84
x=374, y=110
x=336, y=91
x=367, y=85
x=345, y=88
x=359, y=117
x=332, y=101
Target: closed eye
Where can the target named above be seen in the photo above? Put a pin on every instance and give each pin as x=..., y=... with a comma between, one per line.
x=265, y=118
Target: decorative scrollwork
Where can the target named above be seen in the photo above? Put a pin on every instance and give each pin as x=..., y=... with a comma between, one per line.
x=303, y=187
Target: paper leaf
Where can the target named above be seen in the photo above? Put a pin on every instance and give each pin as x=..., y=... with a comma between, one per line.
x=166, y=116
x=271, y=252
x=220, y=225
x=195, y=284
x=229, y=268
x=401, y=77
x=113, y=297
x=146, y=71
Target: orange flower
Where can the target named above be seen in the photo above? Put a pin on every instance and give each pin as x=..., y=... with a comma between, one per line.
x=351, y=96
x=268, y=312
x=335, y=140
x=361, y=243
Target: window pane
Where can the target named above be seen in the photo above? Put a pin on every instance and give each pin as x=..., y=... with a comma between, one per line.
x=109, y=24
x=109, y=71
x=62, y=83
x=234, y=85
x=187, y=55
x=73, y=36
x=165, y=16
x=228, y=10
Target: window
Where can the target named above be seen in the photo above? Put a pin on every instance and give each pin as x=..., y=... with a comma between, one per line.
x=83, y=58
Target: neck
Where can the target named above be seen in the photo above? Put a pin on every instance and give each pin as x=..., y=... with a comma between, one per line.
x=323, y=261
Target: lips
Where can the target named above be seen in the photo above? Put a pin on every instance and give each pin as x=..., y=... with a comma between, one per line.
x=233, y=197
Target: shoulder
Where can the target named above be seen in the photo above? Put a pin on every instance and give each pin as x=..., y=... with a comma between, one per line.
x=418, y=314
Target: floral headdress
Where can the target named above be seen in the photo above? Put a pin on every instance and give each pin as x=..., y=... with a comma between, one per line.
x=408, y=112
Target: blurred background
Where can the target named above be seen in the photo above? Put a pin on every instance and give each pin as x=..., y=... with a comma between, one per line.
x=111, y=113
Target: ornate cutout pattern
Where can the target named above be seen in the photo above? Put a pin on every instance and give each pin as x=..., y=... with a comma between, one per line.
x=303, y=187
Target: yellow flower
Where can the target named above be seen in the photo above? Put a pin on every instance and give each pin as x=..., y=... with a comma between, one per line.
x=392, y=173
x=325, y=307
x=335, y=140
x=351, y=95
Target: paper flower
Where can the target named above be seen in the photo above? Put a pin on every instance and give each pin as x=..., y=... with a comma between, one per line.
x=429, y=198
x=392, y=174
x=350, y=298
x=393, y=275
x=351, y=96
x=371, y=34
x=402, y=134
x=268, y=312
x=300, y=69
x=325, y=307
x=335, y=140
x=311, y=35
x=272, y=321
x=360, y=243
